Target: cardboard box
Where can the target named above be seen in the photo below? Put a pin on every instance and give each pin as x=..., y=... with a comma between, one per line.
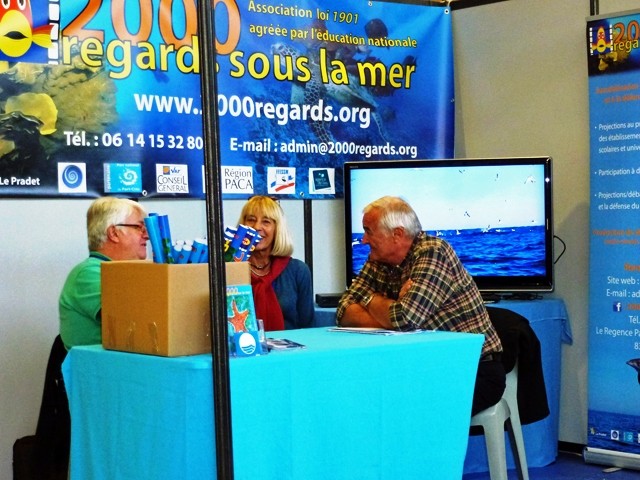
x=160, y=309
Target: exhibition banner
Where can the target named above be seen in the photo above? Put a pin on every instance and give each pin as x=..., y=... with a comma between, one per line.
x=302, y=87
x=613, y=48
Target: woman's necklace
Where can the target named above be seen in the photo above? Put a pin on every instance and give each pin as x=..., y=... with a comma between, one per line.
x=261, y=267
x=260, y=273
x=261, y=270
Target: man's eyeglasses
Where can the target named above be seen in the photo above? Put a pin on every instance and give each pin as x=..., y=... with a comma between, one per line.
x=137, y=226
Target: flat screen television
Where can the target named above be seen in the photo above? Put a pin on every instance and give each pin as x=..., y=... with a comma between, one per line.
x=495, y=212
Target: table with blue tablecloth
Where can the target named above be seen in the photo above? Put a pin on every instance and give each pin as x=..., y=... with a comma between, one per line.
x=548, y=319
x=347, y=406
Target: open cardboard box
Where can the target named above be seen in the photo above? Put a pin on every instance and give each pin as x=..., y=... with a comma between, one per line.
x=160, y=309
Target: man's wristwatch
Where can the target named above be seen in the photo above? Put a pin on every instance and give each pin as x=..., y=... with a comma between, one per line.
x=367, y=300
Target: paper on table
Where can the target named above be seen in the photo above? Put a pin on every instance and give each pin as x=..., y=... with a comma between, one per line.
x=283, y=344
x=374, y=331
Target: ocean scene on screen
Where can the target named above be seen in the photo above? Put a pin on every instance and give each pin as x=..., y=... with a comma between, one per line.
x=485, y=252
x=614, y=431
x=493, y=216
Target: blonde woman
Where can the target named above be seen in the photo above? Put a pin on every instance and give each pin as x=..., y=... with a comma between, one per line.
x=282, y=289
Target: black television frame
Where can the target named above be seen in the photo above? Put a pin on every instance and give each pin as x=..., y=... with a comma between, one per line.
x=490, y=286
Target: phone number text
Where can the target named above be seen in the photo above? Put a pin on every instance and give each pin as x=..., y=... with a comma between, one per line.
x=133, y=140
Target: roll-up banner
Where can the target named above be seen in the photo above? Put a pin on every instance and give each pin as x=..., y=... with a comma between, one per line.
x=613, y=52
x=103, y=98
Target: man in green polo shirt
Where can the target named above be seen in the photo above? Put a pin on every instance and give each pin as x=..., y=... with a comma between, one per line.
x=115, y=231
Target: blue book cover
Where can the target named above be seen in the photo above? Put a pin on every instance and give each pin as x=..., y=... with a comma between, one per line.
x=241, y=312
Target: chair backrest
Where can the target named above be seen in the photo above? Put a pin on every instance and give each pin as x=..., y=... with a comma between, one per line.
x=521, y=347
x=53, y=433
x=511, y=391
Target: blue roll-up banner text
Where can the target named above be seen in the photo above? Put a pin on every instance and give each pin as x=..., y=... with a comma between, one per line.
x=105, y=100
x=613, y=51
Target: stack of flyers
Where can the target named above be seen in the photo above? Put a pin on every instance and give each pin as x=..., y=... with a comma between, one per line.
x=239, y=242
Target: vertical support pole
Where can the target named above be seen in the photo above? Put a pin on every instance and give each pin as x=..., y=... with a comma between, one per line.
x=308, y=240
x=217, y=275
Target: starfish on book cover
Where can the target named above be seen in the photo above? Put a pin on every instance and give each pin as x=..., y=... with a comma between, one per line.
x=238, y=319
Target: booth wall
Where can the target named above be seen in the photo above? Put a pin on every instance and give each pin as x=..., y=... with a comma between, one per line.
x=521, y=89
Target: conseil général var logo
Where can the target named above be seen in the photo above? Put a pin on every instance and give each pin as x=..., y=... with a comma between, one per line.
x=172, y=178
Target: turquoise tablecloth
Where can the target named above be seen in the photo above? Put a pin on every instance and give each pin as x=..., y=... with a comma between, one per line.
x=349, y=406
x=549, y=320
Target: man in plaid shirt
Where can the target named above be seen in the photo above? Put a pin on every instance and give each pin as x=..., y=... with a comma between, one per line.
x=414, y=281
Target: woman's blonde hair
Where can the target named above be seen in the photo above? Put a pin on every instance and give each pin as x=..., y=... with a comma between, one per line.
x=261, y=205
x=107, y=211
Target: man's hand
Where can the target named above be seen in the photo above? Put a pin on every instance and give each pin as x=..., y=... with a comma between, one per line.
x=405, y=288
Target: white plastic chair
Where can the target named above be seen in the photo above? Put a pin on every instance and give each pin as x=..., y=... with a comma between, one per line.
x=493, y=420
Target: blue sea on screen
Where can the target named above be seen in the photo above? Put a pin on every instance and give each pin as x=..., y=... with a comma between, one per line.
x=511, y=251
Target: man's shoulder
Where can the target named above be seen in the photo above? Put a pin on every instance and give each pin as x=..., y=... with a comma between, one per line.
x=427, y=241
x=88, y=267
x=83, y=277
x=431, y=246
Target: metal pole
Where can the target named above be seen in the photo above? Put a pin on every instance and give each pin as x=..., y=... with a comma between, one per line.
x=308, y=241
x=217, y=276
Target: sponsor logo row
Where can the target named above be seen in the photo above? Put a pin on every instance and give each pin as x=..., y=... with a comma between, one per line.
x=174, y=178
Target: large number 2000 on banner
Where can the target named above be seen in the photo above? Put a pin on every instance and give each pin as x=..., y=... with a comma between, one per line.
x=302, y=87
x=614, y=308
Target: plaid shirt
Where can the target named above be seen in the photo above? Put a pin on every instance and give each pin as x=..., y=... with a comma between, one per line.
x=443, y=295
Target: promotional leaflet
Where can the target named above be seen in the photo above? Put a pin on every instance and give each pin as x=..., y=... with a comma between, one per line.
x=112, y=103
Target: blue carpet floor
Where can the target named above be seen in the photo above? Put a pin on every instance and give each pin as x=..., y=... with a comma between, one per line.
x=568, y=466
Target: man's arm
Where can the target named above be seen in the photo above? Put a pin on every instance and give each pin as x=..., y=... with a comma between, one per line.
x=375, y=314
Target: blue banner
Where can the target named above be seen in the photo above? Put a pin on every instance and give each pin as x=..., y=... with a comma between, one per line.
x=115, y=106
x=306, y=88
x=613, y=51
